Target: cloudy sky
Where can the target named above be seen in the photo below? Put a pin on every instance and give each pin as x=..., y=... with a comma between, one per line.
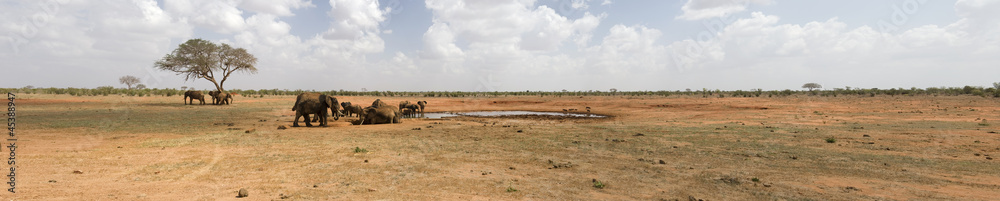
x=512, y=45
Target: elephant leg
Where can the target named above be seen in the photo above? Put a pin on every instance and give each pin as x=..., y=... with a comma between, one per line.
x=295, y=123
x=322, y=120
x=308, y=123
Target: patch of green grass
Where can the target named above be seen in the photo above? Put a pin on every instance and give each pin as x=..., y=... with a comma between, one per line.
x=598, y=184
x=983, y=123
x=360, y=150
x=511, y=189
x=755, y=179
x=831, y=140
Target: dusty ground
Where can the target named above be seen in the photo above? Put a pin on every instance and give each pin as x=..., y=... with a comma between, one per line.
x=156, y=148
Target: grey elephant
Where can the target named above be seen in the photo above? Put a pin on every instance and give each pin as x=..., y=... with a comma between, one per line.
x=317, y=105
x=352, y=109
x=380, y=115
x=422, y=104
x=219, y=98
x=402, y=104
x=409, y=106
x=194, y=95
x=379, y=103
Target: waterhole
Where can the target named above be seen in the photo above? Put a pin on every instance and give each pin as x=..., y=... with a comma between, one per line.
x=438, y=115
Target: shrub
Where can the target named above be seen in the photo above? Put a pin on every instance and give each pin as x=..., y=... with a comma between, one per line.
x=831, y=140
x=598, y=184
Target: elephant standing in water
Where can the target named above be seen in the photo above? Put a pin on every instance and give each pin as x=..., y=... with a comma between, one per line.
x=422, y=104
x=218, y=97
x=380, y=113
x=317, y=104
x=194, y=95
x=409, y=106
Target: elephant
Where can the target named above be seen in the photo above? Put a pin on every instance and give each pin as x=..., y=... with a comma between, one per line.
x=402, y=104
x=379, y=103
x=354, y=109
x=218, y=98
x=346, y=105
x=422, y=104
x=406, y=112
x=315, y=103
x=384, y=114
x=194, y=95
x=413, y=107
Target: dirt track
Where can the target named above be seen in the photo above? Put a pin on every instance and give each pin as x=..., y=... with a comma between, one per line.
x=156, y=148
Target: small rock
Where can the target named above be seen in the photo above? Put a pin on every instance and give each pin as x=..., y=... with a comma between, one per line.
x=372, y=190
x=315, y=185
x=262, y=120
x=662, y=162
x=52, y=181
x=282, y=127
x=283, y=196
x=866, y=136
x=989, y=158
x=767, y=184
x=366, y=160
x=675, y=147
x=794, y=157
x=977, y=154
x=639, y=134
x=119, y=147
x=520, y=131
x=512, y=168
x=251, y=130
x=243, y=193
x=77, y=172
x=416, y=129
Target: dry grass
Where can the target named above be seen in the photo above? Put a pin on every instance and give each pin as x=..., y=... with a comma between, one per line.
x=155, y=148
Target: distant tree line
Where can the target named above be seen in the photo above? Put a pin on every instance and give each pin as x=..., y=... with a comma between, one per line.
x=706, y=93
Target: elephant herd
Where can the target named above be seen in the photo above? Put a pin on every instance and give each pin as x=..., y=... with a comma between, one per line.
x=318, y=105
x=379, y=112
x=218, y=97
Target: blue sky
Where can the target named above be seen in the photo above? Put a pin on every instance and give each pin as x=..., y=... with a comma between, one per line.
x=514, y=45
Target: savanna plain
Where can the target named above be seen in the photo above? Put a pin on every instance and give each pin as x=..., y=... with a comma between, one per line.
x=649, y=148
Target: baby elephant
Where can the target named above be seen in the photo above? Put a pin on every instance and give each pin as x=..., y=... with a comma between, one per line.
x=351, y=109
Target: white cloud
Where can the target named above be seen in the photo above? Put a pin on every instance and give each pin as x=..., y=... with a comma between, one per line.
x=275, y=7
x=580, y=4
x=354, y=19
x=606, y=2
x=704, y=9
x=489, y=36
x=219, y=16
x=628, y=49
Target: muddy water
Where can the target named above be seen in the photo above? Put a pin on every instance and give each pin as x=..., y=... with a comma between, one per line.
x=438, y=115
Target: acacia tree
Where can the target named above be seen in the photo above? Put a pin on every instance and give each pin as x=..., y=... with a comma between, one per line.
x=129, y=80
x=811, y=86
x=202, y=59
